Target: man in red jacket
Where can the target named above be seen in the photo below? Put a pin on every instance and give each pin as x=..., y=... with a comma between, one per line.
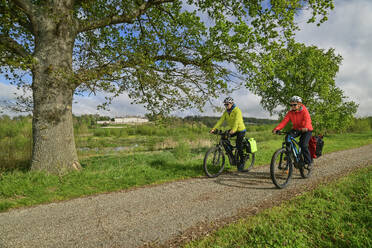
x=300, y=118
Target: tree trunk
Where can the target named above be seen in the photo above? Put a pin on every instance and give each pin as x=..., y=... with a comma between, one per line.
x=53, y=135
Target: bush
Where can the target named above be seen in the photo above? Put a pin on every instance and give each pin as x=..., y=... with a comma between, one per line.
x=145, y=130
x=360, y=125
x=182, y=150
x=99, y=132
x=114, y=132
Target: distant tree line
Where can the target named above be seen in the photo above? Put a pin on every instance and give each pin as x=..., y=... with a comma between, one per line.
x=210, y=121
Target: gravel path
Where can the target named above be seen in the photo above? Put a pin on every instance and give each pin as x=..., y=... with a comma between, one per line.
x=163, y=214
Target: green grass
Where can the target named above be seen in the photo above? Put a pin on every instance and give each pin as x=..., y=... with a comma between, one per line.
x=106, y=173
x=336, y=142
x=100, y=174
x=335, y=215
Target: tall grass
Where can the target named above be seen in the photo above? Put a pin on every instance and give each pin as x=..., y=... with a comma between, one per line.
x=15, y=143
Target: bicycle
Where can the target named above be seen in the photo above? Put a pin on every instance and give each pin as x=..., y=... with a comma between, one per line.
x=289, y=155
x=214, y=160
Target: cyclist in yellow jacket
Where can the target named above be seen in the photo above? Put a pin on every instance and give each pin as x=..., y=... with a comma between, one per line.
x=234, y=118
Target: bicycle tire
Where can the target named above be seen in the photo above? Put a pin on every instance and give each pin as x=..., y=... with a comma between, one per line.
x=305, y=172
x=281, y=175
x=213, y=166
x=250, y=161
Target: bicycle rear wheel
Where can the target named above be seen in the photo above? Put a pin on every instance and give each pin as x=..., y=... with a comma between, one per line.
x=249, y=159
x=305, y=171
x=281, y=168
x=214, y=162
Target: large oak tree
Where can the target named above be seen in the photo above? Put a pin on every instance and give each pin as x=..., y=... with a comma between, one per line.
x=165, y=54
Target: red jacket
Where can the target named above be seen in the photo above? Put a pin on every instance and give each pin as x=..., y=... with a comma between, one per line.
x=299, y=119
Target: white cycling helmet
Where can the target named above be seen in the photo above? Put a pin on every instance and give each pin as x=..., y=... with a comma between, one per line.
x=228, y=100
x=295, y=99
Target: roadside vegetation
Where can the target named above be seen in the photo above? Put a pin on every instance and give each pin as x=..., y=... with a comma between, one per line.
x=334, y=215
x=131, y=156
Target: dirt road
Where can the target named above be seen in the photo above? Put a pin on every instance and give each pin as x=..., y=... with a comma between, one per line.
x=164, y=214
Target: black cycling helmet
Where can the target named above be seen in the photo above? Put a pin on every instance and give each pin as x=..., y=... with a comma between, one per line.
x=228, y=100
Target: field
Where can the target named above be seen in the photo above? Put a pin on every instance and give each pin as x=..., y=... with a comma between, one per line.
x=130, y=156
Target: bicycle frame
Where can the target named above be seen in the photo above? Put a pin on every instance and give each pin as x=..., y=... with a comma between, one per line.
x=294, y=147
x=228, y=147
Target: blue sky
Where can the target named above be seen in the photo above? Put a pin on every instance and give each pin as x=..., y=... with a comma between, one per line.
x=348, y=30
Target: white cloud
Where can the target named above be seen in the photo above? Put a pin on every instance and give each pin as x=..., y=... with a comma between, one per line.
x=349, y=31
x=121, y=106
x=245, y=100
x=7, y=91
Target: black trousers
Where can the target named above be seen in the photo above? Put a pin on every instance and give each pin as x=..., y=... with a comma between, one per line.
x=304, y=144
x=239, y=145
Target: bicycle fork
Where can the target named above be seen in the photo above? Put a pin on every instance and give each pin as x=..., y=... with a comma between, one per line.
x=217, y=156
x=286, y=159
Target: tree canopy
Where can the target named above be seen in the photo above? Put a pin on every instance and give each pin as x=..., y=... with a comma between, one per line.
x=165, y=54
x=309, y=72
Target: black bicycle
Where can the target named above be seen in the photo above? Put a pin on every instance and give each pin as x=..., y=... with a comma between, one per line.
x=214, y=160
x=285, y=158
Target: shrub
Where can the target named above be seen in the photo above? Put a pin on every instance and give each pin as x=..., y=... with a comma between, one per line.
x=182, y=150
x=99, y=132
x=360, y=125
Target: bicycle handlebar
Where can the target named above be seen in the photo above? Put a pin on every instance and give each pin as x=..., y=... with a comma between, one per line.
x=222, y=133
x=279, y=132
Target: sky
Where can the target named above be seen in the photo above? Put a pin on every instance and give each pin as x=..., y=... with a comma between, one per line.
x=348, y=30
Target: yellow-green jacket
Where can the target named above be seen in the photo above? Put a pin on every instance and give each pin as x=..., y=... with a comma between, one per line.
x=234, y=120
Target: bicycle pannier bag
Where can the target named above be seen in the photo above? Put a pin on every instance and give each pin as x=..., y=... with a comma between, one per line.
x=319, y=146
x=252, y=145
x=312, y=146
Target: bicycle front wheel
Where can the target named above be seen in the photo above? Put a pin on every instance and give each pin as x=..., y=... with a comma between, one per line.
x=281, y=168
x=214, y=162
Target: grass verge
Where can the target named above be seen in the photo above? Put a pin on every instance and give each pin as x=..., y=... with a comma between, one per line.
x=335, y=215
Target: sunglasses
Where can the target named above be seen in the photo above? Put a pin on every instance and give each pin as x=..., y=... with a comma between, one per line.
x=226, y=104
x=293, y=105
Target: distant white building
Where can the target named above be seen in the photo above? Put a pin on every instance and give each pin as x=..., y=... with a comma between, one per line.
x=103, y=122
x=130, y=120
x=124, y=120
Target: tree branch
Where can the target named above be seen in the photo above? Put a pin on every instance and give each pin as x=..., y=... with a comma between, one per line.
x=14, y=46
x=127, y=18
x=25, y=5
x=184, y=61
